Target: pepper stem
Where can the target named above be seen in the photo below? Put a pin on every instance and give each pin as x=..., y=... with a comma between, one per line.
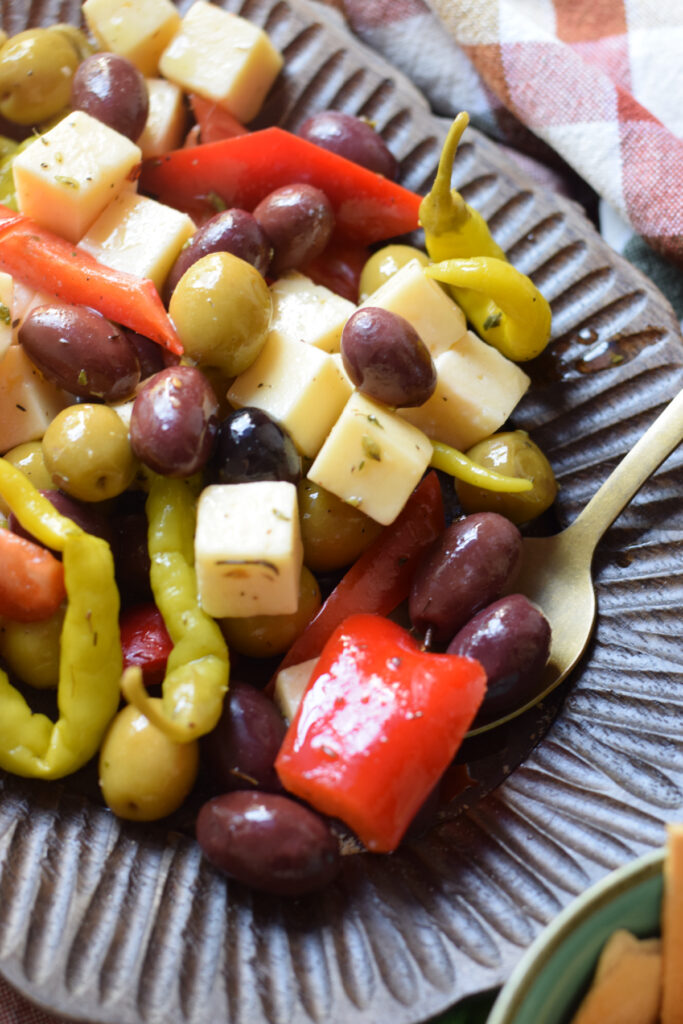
x=443, y=208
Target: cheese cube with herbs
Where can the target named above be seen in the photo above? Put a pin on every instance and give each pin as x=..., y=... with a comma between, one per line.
x=309, y=312
x=7, y=331
x=476, y=390
x=137, y=29
x=248, y=549
x=372, y=459
x=223, y=58
x=138, y=235
x=28, y=402
x=166, y=120
x=301, y=387
x=438, y=320
x=68, y=175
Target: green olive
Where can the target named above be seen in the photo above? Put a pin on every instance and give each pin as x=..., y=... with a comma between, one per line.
x=28, y=457
x=383, y=264
x=87, y=452
x=334, y=534
x=31, y=649
x=78, y=39
x=144, y=775
x=260, y=636
x=36, y=68
x=512, y=453
x=221, y=308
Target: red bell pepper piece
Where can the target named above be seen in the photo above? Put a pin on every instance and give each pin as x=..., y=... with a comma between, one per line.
x=215, y=123
x=31, y=579
x=380, y=579
x=145, y=641
x=378, y=725
x=46, y=262
x=243, y=170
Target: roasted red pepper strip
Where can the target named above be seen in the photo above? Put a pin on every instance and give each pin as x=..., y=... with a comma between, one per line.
x=377, y=726
x=243, y=170
x=46, y=262
x=145, y=641
x=214, y=122
x=31, y=579
x=380, y=579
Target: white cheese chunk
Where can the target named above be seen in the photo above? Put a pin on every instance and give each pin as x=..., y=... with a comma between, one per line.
x=298, y=385
x=290, y=685
x=438, y=320
x=7, y=314
x=68, y=175
x=477, y=389
x=137, y=29
x=309, y=312
x=28, y=402
x=138, y=235
x=166, y=119
x=223, y=58
x=248, y=549
x=372, y=459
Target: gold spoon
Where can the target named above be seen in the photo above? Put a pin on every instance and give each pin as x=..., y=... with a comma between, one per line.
x=556, y=570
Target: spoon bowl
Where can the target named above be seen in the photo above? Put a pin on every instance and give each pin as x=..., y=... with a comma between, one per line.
x=556, y=571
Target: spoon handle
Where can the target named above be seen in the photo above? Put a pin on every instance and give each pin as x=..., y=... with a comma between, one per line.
x=658, y=441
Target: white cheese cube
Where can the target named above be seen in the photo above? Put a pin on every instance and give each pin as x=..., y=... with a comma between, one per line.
x=477, y=388
x=248, y=549
x=309, y=312
x=166, y=120
x=7, y=314
x=290, y=685
x=28, y=402
x=137, y=29
x=223, y=58
x=438, y=320
x=68, y=175
x=298, y=385
x=371, y=460
x=138, y=235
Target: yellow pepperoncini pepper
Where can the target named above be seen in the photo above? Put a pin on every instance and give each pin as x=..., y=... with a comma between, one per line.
x=503, y=305
x=456, y=464
x=198, y=667
x=31, y=744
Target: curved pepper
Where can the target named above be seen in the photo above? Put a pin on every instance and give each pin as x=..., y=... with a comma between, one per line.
x=198, y=667
x=32, y=744
x=456, y=464
x=503, y=305
x=453, y=228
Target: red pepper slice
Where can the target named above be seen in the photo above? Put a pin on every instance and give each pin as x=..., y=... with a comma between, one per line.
x=214, y=122
x=378, y=725
x=46, y=262
x=243, y=170
x=145, y=641
x=380, y=579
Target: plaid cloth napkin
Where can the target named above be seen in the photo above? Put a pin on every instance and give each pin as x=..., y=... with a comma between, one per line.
x=588, y=93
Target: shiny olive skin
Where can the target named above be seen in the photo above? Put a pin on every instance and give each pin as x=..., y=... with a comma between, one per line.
x=31, y=650
x=511, y=639
x=221, y=308
x=383, y=264
x=333, y=532
x=262, y=636
x=251, y=446
x=468, y=567
x=235, y=231
x=36, y=72
x=240, y=752
x=80, y=351
x=88, y=453
x=298, y=221
x=110, y=88
x=512, y=453
x=350, y=137
x=268, y=842
x=386, y=359
x=152, y=357
x=28, y=457
x=174, y=421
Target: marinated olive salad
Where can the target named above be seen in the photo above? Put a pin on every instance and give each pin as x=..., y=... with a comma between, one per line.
x=228, y=388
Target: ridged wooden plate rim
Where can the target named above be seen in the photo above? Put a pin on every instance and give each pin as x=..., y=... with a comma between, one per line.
x=112, y=923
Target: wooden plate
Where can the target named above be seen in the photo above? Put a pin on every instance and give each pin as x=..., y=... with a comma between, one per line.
x=110, y=922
